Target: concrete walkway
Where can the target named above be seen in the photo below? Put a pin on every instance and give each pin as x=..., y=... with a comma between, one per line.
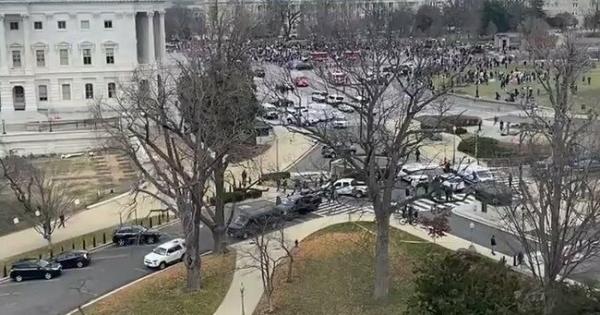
x=251, y=278
x=289, y=148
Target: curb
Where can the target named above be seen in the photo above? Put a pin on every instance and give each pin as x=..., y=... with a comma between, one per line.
x=102, y=297
x=108, y=244
x=107, y=201
x=303, y=155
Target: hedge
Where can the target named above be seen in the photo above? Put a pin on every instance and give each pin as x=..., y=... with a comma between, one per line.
x=238, y=195
x=486, y=148
x=447, y=122
x=275, y=176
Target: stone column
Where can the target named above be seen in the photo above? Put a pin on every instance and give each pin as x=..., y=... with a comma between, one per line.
x=162, y=37
x=3, y=47
x=28, y=63
x=150, y=37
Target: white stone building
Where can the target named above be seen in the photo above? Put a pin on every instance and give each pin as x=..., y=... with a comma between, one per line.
x=60, y=55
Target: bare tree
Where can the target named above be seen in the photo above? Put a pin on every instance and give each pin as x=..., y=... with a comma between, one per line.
x=267, y=252
x=45, y=201
x=557, y=218
x=385, y=104
x=181, y=128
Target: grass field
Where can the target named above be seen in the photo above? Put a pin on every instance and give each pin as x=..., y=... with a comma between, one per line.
x=586, y=94
x=163, y=294
x=334, y=273
x=89, y=179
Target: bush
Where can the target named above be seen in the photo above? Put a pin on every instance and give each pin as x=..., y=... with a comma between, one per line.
x=465, y=283
x=275, y=176
x=447, y=122
x=486, y=148
x=460, y=131
x=238, y=195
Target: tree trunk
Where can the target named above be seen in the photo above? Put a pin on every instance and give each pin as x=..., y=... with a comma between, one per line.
x=382, y=258
x=290, y=269
x=220, y=228
x=192, y=259
x=549, y=294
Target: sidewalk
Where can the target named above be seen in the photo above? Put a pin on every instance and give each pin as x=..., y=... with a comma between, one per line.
x=106, y=214
x=251, y=281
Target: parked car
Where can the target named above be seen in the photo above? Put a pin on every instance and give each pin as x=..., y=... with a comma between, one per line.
x=454, y=183
x=348, y=186
x=73, y=259
x=473, y=174
x=345, y=108
x=271, y=115
x=339, y=123
x=335, y=99
x=132, y=234
x=415, y=168
x=298, y=204
x=301, y=82
x=249, y=222
x=284, y=87
x=284, y=102
x=592, y=165
x=340, y=149
x=34, y=269
x=166, y=254
x=319, y=96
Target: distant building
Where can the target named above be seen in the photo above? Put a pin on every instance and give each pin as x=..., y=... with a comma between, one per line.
x=579, y=8
x=60, y=55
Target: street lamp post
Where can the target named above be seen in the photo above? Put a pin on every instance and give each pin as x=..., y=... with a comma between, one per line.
x=471, y=227
x=453, y=145
x=3, y=127
x=242, y=296
x=477, y=146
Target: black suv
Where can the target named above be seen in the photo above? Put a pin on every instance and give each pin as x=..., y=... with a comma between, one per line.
x=73, y=259
x=134, y=234
x=299, y=204
x=34, y=269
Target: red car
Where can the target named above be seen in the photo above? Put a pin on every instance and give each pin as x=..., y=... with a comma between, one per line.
x=301, y=82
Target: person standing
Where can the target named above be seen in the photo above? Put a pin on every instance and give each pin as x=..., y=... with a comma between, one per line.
x=493, y=244
x=61, y=217
x=244, y=175
x=418, y=155
x=284, y=185
x=510, y=178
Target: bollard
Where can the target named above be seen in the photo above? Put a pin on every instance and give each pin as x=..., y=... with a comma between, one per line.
x=51, y=252
x=94, y=241
x=84, y=244
x=159, y=219
x=40, y=256
x=62, y=248
x=167, y=216
x=103, y=237
x=73, y=245
x=150, y=222
x=4, y=272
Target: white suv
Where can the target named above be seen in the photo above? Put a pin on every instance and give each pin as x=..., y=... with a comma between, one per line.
x=165, y=254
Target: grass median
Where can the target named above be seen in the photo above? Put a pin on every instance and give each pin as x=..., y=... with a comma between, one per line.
x=164, y=294
x=334, y=273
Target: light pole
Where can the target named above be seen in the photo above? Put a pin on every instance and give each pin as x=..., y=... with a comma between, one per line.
x=242, y=296
x=453, y=145
x=477, y=146
x=471, y=227
x=3, y=127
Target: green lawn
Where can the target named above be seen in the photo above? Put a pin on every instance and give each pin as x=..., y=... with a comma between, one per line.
x=163, y=294
x=334, y=273
x=586, y=95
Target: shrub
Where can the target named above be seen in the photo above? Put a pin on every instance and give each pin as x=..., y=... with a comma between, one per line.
x=486, y=148
x=460, y=131
x=275, y=176
x=238, y=195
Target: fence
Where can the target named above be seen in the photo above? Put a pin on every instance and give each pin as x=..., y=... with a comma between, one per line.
x=85, y=242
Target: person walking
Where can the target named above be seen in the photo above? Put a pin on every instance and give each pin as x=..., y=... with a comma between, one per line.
x=493, y=244
x=284, y=185
x=61, y=217
x=244, y=175
x=418, y=155
x=510, y=180
x=501, y=125
x=278, y=182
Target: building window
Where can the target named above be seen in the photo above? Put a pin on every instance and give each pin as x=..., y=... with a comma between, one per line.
x=110, y=56
x=87, y=56
x=89, y=91
x=62, y=25
x=14, y=26
x=40, y=58
x=112, y=90
x=66, y=92
x=107, y=23
x=64, y=57
x=85, y=24
x=43, y=93
x=16, y=58
x=37, y=25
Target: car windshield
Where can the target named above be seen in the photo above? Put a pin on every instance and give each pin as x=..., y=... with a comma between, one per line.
x=43, y=263
x=240, y=220
x=160, y=251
